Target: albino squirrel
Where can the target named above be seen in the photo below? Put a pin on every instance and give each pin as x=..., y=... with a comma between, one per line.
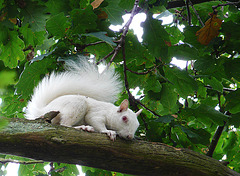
x=84, y=99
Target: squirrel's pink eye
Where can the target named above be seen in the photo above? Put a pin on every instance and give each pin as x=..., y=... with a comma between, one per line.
x=125, y=119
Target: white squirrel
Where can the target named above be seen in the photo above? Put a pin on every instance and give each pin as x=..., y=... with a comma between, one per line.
x=84, y=99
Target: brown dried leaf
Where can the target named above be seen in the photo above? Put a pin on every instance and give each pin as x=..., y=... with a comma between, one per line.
x=96, y=3
x=210, y=30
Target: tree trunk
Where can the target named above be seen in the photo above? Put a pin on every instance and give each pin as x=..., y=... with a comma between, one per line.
x=42, y=141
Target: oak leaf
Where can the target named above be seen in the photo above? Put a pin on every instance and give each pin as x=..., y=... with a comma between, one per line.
x=210, y=30
x=96, y=3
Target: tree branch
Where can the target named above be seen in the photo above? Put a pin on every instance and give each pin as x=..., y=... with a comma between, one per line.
x=188, y=11
x=221, y=5
x=196, y=13
x=181, y=3
x=53, y=143
x=215, y=140
x=4, y=161
x=143, y=73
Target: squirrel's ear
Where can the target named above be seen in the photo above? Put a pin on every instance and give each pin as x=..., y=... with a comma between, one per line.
x=139, y=112
x=123, y=106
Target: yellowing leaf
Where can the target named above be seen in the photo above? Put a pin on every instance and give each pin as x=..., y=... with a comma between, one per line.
x=13, y=20
x=96, y=3
x=102, y=15
x=210, y=30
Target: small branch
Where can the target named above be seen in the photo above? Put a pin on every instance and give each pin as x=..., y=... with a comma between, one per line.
x=224, y=89
x=125, y=28
x=196, y=13
x=142, y=73
x=218, y=132
x=81, y=47
x=107, y=56
x=92, y=44
x=154, y=113
x=181, y=3
x=215, y=140
x=188, y=11
x=221, y=5
x=4, y=161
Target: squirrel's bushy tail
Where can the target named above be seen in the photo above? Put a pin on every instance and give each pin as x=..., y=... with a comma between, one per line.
x=80, y=78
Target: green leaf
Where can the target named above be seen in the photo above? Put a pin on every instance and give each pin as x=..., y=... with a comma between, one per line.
x=13, y=105
x=183, y=52
x=214, y=83
x=126, y=4
x=198, y=136
x=232, y=101
x=168, y=99
x=230, y=29
x=32, y=38
x=3, y=34
x=184, y=84
x=32, y=169
x=28, y=37
x=81, y=24
x=3, y=123
x=12, y=51
x=202, y=90
x=230, y=142
x=235, y=120
x=7, y=78
x=114, y=12
x=232, y=67
x=175, y=35
x=1, y=4
x=152, y=85
x=165, y=119
x=132, y=45
x=155, y=38
x=56, y=6
x=34, y=15
x=190, y=36
x=207, y=115
x=32, y=74
x=102, y=36
x=57, y=25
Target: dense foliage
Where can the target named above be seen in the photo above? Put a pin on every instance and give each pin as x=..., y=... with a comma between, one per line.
x=196, y=107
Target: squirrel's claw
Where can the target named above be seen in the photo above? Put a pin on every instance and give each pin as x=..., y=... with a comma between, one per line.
x=111, y=134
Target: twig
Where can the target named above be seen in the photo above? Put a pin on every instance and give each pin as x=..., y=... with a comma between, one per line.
x=215, y=140
x=81, y=47
x=143, y=73
x=154, y=113
x=224, y=89
x=218, y=132
x=92, y=44
x=196, y=13
x=221, y=5
x=107, y=56
x=124, y=31
x=181, y=3
x=188, y=11
x=4, y=161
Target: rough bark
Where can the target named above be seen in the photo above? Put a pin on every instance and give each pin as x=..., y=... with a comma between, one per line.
x=42, y=141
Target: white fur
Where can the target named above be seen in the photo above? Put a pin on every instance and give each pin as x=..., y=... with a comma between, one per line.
x=84, y=99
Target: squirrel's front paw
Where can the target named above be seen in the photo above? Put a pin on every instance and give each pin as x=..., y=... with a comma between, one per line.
x=85, y=128
x=112, y=134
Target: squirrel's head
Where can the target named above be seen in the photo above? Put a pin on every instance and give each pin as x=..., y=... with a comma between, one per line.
x=128, y=122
